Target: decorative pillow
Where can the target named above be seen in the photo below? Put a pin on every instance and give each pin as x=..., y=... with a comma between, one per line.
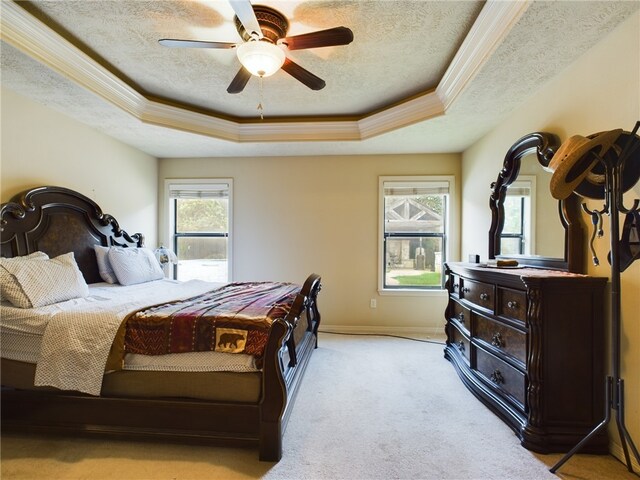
x=134, y=265
x=48, y=281
x=104, y=265
x=10, y=289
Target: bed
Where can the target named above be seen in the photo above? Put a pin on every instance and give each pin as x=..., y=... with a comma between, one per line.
x=246, y=405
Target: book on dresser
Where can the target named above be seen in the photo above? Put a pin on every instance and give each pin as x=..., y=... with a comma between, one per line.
x=530, y=344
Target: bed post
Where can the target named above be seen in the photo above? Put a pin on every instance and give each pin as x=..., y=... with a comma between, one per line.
x=310, y=289
x=274, y=394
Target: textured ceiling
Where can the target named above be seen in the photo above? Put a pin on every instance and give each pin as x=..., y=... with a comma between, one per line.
x=361, y=77
x=401, y=49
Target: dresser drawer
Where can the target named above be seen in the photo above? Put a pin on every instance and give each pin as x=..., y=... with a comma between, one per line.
x=504, y=338
x=461, y=342
x=502, y=375
x=460, y=314
x=479, y=293
x=512, y=304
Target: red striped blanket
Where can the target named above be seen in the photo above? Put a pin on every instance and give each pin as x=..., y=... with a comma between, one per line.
x=235, y=318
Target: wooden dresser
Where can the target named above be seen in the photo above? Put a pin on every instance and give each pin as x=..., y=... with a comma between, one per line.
x=529, y=343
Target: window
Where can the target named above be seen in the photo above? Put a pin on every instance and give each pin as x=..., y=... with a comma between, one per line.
x=414, y=219
x=201, y=229
x=516, y=238
x=512, y=238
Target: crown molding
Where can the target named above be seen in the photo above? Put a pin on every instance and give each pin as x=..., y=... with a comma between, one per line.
x=292, y=131
x=495, y=21
x=35, y=39
x=160, y=114
x=407, y=113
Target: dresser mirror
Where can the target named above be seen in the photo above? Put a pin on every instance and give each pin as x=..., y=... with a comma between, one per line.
x=527, y=223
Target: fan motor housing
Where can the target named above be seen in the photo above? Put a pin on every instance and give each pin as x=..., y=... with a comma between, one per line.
x=274, y=25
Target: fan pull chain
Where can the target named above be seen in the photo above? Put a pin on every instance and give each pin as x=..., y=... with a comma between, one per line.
x=260, y=107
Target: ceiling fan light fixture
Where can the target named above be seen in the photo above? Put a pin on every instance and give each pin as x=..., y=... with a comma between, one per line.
x=261, y=58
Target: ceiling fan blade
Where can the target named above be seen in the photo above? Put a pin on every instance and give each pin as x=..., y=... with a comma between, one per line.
x=323, y=38
x=303, y=75
x=239, y=81
x=174, y=42
x=246, y=15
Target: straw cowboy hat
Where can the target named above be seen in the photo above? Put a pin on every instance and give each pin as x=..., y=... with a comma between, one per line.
x=593, y=184
x=573, y=162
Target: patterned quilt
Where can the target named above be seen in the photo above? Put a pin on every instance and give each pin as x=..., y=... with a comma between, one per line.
x=235, y=318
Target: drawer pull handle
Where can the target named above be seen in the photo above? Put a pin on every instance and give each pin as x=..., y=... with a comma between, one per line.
x=461, y=346
x=455, y=287
x=496, y=340
x=484, y=296
x=461, y=317
x=512, y=304
x=496, y=377
x=466, y=290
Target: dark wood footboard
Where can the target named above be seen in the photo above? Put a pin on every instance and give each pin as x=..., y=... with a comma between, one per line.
x=286, y=367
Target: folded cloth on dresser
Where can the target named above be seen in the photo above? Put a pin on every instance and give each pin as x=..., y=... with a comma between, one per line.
x=235, y=318
x=76, y=342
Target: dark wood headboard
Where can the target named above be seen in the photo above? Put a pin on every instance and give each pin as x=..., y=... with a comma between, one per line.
x=57, y=220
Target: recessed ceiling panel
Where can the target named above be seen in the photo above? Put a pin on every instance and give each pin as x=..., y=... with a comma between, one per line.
x=400, y=49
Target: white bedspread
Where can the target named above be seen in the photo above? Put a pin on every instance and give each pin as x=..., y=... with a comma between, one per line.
x=78, y=334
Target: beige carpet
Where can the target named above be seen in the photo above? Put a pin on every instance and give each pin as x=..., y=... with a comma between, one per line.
x=369, y=408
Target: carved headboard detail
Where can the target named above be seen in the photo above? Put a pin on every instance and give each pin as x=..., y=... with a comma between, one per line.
x=57, y=220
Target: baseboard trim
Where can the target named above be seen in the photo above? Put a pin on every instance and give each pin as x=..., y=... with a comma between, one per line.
x=373, y=330
x=616, y=450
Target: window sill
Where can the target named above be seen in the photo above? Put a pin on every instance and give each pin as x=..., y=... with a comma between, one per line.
x=408, y=292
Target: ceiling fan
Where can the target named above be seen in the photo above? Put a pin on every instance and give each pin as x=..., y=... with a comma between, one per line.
x=262, y=52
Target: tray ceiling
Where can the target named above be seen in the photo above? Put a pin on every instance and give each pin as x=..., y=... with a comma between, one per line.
x=420, y=76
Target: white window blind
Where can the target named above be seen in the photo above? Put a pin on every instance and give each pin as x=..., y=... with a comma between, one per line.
x=404, y=189
x=209, y=190
x=519, y=189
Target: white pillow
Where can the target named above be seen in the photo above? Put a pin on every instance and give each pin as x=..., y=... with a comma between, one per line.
x=48, y=281
x=134, y=265
x=10, y=289
x=104, y=265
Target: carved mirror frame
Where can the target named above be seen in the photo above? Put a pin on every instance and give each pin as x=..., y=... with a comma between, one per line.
x=544, y=145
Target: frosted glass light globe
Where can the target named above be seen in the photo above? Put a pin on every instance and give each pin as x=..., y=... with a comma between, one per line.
x=261, y=58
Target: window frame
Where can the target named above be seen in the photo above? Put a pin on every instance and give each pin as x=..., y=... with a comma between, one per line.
x=171, y=217
x=446, y=237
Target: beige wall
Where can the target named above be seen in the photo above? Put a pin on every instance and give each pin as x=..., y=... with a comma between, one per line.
x=43, y=147
x=297, y=215
x=599, y=92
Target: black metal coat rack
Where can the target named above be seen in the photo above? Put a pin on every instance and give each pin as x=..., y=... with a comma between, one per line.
x=614, y=384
